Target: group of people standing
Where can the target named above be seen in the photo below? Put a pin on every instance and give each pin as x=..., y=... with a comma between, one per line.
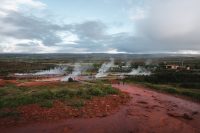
x=121, y=82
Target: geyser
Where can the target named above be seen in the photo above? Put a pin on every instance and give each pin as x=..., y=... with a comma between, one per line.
x=104, y=68
x=76, y=72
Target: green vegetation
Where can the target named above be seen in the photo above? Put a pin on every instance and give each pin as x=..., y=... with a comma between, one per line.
x=180, y=82
x=47, y=104
x=12, y=114
x=184, y=79
x=44, y=95
x=77, y=103
x=192, y=93
x=176, y=82
x=7, y=67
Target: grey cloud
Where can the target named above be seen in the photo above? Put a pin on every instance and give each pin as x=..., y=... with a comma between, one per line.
x=171, y=25
x=31, y=28
x=91, y=30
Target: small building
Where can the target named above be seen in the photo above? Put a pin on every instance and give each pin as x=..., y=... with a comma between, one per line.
x=177, y=67
x=174, y=67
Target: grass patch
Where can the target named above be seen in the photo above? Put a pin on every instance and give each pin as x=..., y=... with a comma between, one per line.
x=83, y=93
x=192, y=93
x=171, y=90
x=77, y=103
x=2, y=92
x=45, y=95
x=110, y=90
x=46, y=104
x=13, y=114
x=96, y=92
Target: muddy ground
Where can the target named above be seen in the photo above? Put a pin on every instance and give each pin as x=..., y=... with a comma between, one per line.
x=146, y=112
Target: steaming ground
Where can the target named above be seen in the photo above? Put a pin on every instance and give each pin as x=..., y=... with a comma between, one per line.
x=79, y=68
x=55, y=71
x=104, y=69
x=76, y=72
x=139, y=71
x=147, y=111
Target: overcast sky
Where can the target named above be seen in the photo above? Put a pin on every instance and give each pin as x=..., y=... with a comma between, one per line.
x=108, y=26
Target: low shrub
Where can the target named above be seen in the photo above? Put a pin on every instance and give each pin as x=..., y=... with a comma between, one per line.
x=110, y=90
x=2, y=92
x=171, y=90
x=47, y=104
x=191, y=94
x=4, y=114
x=77, y=103
x=96, y=92
x=45, y=96
x=190, y=85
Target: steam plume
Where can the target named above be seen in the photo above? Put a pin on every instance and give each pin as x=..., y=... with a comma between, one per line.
x=56, y=71
x=75, y=73
x=104, y=68
x=139, y=71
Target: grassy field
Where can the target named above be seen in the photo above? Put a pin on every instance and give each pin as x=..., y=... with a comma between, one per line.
x=73, y=94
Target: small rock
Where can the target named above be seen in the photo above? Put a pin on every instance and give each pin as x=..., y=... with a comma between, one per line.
x=155, y=106
x=137, y=94
x=184, y=115
x=142, y=102
x=174, y=114
x=195, y=112
x=187, y=116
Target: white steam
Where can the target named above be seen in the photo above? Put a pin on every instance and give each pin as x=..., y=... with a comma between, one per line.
x=76, y=72
x=56, y=71
x=139, y=71
x=104, y=68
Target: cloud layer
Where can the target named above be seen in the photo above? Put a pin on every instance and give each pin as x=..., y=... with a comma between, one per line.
x=172, y=24
x=160, y=26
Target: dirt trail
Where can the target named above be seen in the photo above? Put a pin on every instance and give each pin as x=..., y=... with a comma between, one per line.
x=147, y=112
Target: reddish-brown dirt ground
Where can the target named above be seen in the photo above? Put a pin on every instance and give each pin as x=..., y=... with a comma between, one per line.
x=4, y=82
x=146, y=112
x=37, y=83
x=96, y=107
x=42, y=82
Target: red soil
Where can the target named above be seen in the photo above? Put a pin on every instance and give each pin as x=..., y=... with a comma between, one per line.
x=147, y=112
x=28, y=83
x=97, y=107
x=2, y=83
x=37, y=83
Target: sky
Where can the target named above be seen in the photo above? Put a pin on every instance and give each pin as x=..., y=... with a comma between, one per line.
x=100, y=26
